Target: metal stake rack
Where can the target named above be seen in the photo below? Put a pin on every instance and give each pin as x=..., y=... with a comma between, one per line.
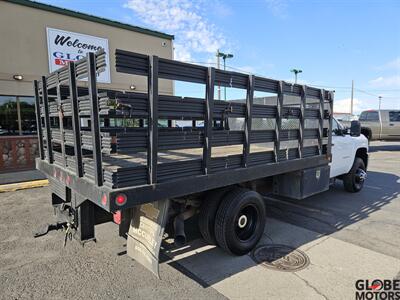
x=81, y=151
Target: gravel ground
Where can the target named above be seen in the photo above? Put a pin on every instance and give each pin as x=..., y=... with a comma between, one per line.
x=43, y=269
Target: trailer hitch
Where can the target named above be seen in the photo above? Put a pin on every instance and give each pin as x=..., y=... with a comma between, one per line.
x=68, y=232
x=46, y=228
x=64, y=221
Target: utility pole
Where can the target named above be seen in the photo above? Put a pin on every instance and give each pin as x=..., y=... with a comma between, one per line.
x=224, y=57
x=218, y=66
x=352, y=97
x=296, y=71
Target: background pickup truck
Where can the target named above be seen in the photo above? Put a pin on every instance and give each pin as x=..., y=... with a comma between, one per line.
x=380, y=125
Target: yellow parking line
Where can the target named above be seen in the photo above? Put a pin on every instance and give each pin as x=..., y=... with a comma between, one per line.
x=23, y=185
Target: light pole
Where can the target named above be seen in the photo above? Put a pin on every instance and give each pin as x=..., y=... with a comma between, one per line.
x=224, y=56
x=352, y=97
x=380, y=100
x=296, y=71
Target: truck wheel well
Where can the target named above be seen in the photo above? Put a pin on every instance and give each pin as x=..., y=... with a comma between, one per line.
x=362, y=153
x=366, y=132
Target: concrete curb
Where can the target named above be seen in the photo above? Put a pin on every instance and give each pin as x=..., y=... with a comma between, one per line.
x=12, y=187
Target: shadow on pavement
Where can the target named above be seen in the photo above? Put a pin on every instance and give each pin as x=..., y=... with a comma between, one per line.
x=384, y=147
x=335, y=209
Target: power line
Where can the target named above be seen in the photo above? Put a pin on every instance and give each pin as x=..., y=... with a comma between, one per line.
x=331, y=87
x=367, y=93
x=199, y=62
x=385, y=90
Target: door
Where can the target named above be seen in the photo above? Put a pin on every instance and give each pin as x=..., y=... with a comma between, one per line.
x=370, y=119
x=342, y=151
x=392, y=128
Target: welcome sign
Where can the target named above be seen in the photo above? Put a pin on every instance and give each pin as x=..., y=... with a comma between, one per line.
x=65, y=46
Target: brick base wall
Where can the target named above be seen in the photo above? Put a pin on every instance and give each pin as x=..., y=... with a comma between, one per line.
x=18, y=153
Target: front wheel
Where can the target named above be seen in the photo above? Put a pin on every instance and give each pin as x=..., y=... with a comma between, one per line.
x=354, y=180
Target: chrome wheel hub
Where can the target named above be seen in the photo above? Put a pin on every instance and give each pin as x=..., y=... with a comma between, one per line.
x=361, y=175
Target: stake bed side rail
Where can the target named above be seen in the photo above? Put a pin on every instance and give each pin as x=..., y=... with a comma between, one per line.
x=101, y=143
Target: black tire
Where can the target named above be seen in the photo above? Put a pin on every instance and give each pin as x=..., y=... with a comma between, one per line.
x=354, y=180
x=241, y=207
x=208, y=210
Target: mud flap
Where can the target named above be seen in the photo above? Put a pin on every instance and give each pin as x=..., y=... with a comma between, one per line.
x=145, y=233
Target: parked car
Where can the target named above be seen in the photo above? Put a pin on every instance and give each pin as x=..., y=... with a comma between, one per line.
x=380, y=124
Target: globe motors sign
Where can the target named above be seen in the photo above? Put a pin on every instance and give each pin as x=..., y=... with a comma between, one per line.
x=65, y=46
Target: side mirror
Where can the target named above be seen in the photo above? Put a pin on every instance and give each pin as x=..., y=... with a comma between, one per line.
x=355, y=128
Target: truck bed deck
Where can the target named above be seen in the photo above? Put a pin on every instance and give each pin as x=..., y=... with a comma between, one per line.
x=124, y=170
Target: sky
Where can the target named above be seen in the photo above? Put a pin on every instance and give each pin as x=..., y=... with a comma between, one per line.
x=332, y=41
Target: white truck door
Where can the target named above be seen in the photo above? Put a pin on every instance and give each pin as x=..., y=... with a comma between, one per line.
x=342, y=152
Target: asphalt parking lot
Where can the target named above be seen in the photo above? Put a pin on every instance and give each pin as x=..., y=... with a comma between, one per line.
x=344, y=236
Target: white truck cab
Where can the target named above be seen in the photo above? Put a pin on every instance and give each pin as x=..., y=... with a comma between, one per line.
x=349, y=155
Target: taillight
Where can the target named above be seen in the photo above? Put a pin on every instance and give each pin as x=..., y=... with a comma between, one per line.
x=117, y=217
x=104, y=200
x=120, y=199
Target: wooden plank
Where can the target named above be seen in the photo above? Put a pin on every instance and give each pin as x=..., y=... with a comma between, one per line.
x=153, y=119
x=38, y=119
x=61, y=122
x=302, y=119
x=278, y=126
x=73, y=93
x=248, y=119
x=95, y=120
x=50, y=157
x=329, y=146
x=321, y=121
x=208, y=119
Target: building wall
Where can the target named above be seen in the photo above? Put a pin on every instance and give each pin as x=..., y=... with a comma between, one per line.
x=23, y=51
x=23, y=47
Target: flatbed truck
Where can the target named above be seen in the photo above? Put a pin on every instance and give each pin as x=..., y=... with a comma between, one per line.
x=141, y=175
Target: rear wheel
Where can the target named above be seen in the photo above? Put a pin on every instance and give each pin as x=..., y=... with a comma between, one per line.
x=354, y=180
x=240, y=221
x=208, y=210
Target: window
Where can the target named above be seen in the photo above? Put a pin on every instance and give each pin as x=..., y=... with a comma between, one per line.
x=363, y=116
x=335, y=126
x=373, y=116
x=369, y=116
x=394, y=116
x=17, y=115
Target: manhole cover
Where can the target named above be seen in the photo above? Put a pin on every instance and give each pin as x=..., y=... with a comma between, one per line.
x=280, y=258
